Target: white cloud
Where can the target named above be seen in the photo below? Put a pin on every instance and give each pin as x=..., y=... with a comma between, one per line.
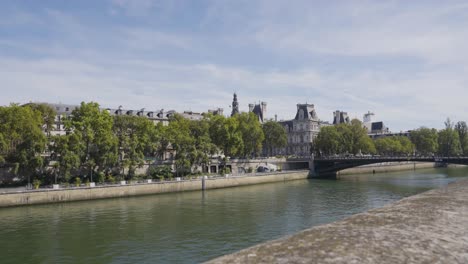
x=404, y=61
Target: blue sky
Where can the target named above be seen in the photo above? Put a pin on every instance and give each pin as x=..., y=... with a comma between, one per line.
x=403, y=60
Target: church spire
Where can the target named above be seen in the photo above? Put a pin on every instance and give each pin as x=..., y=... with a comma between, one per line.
x=235, y=105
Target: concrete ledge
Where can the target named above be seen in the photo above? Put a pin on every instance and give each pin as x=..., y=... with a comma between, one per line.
x=114, y=191
x=431, y=227
x=386, y=167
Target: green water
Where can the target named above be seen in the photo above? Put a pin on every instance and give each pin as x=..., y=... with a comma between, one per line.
x=194, y=226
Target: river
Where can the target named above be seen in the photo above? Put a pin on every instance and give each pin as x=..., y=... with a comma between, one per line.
x=193, y=227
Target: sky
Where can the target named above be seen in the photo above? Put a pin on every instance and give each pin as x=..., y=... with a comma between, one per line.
x=405, y=61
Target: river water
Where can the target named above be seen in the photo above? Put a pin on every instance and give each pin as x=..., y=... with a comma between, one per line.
x=193, y=227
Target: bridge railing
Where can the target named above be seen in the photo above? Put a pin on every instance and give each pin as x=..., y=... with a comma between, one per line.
x=378, y=157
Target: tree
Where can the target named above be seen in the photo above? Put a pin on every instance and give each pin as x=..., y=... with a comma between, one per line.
x=48, y=115
x=94, y=129
x=328, y=141
x=66, y=151
x=449, y=141
x=462, y=131
x=136, y=138
x=354, y=139
x=22, y=140
x=226, y=135
x=203, y=145
x=275, y=136
x=425, y=140
x=251, y=132
x=178, y=133
x=394, y=146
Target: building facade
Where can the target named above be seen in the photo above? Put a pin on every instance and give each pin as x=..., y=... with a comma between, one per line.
x=301, y=131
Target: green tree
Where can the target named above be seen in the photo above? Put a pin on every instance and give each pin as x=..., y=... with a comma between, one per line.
x=252, y=134
x=425, y=140
x=203, y=145
x=449, y=141
x=22, y=140
x=354, y=139
x=328, y=141
x=48, y=115
x=226, y=135
x=66, y=151
x=178, y=133
x=275, y=136
x=94, y=128
x=394, y=146
x=137, y=138
x=462, y=131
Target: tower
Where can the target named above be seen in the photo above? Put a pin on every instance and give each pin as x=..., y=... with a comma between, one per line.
x=235, y=105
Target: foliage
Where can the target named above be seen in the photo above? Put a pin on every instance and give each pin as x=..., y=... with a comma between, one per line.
x=425, y=140
x=160, y=172
x=226, y=135
x=48, y=115
x=344, y=138
x=137, y=138
x=66, y=151
x=22, y=140
x=462, y=131
x=275, y=136
x=77, y=181
x=36, y=183
x=328, y=141
x=449, y=141
x=251, y=133
x=394, y=146
x=98, y=144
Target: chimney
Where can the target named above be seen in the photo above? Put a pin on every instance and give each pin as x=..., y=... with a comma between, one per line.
x=251, y=107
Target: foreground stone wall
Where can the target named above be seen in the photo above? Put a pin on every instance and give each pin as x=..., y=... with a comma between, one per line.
x=431, y=227
x=88, y=193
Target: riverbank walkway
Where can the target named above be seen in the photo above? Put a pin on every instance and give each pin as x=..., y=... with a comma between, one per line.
x=431, y=227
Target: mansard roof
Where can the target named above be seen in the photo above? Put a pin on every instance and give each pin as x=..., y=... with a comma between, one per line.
x=309, y=112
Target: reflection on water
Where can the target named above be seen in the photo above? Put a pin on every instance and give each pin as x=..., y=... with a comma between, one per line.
x=196, y=226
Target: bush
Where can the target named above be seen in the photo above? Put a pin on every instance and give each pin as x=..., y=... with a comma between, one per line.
x=77, y=181
x=87, y=182
x=110, y=179
x=160, y=171
x=225, y=170
x=100, y=177
x=36, y=183
x=250, y=170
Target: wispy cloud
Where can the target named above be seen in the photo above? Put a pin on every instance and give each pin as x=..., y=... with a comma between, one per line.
x=403, y=60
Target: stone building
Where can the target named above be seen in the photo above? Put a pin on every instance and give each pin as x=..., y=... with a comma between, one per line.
x=301, y=131
x=259, y=110
x=340, y=117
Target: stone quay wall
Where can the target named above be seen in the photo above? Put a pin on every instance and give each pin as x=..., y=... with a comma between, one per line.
x=42, y=196
x=387, y=167
x=431, y=227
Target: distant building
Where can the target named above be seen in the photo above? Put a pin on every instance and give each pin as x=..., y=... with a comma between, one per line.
x=340, y=117
x=235, y=105
x=301, y=131
x=374, y=127
x=259, y=110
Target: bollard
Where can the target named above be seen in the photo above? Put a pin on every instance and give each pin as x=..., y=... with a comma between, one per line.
x=203, y=184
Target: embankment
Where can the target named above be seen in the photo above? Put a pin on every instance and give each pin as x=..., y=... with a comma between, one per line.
x=426, y=228
x=387, y=167
x=114, y=191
